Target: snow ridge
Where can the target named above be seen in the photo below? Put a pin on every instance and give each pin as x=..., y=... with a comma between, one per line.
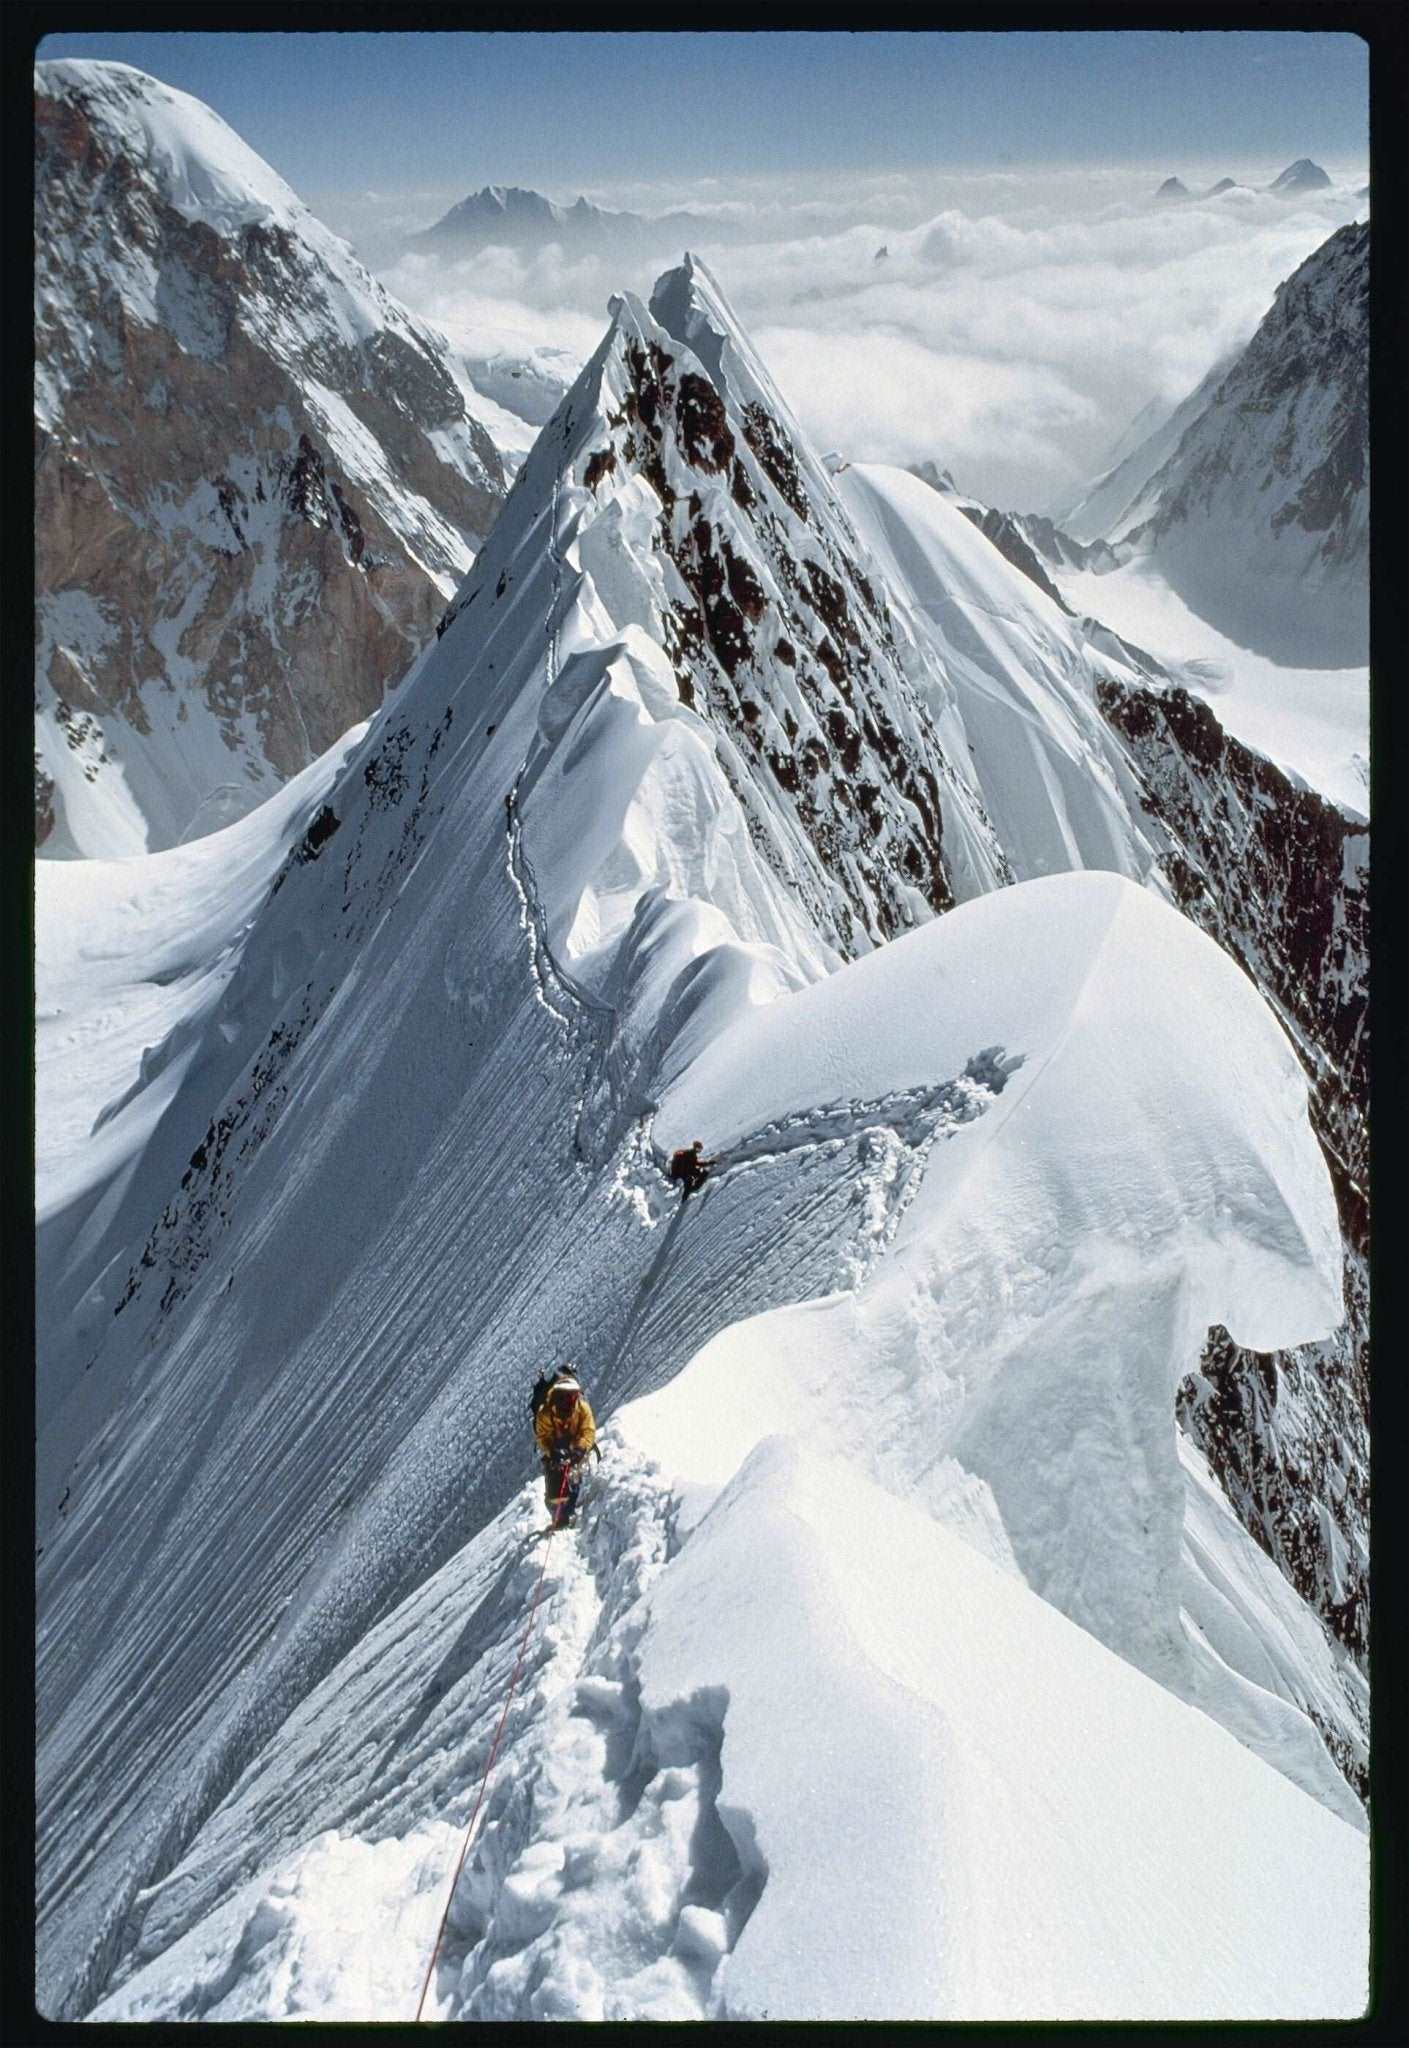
x=563, y=908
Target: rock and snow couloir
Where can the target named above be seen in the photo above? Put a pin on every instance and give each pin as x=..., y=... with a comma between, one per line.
x=650, y=845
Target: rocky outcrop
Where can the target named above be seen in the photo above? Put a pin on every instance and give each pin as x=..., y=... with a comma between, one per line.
x=256, y=478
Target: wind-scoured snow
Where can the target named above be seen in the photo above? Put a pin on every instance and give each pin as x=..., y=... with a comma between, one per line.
x=419, y=975
x=1045, y=1272
x=999, y=1861
x=644, y=1800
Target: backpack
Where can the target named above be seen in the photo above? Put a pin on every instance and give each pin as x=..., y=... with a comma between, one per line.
x=539, y=1395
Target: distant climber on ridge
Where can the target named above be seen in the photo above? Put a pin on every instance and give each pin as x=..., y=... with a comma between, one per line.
x=566, y=1430
x=686, y=1165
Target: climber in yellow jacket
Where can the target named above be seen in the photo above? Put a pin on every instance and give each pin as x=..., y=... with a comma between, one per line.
x=566, y=1431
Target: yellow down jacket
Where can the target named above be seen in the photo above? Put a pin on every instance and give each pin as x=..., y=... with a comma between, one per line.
x=578, y=1433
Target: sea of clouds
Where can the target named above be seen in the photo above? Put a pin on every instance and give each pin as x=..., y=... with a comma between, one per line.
x=1015, y=325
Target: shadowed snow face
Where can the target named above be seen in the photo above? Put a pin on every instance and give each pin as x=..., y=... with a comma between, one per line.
x=1013, y=325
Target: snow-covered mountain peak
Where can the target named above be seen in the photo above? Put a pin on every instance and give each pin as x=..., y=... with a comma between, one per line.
x=689, y=303
x=126, y=143
x=701, y=514
x=1302, y=176
x=517, y=200
x=201, y=166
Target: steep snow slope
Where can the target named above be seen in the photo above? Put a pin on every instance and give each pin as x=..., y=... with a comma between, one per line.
x=173, y=917
x=985, y=1857
x=257, y=476
x=1280, y=877
x=1054, y=778
x=652, y=1847
x=410, y=1157
x=1022, y=1228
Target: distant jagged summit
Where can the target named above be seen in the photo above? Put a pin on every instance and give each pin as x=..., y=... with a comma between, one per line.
x=1302, y=176
x=516, y=217
x=528, y=219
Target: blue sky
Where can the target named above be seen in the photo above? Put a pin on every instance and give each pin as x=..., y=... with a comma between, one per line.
x=397, y=111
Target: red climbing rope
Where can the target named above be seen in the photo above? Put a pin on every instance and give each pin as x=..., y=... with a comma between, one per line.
x=494, y=1746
